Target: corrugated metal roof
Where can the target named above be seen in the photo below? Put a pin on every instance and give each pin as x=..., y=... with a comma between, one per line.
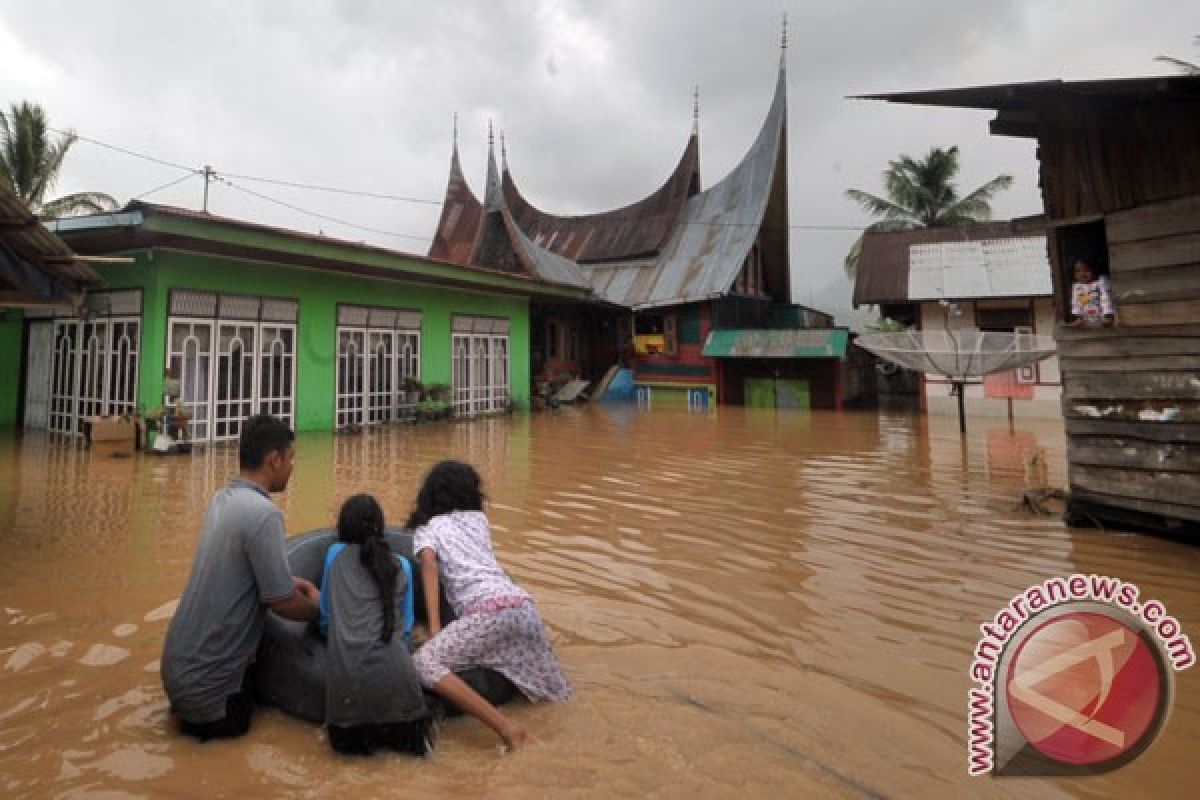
x=35, y=263
x=1008, y=267
x=884, y=266
x=678, y=245
x=709, y=245
x=458, y=226
x=637, y=229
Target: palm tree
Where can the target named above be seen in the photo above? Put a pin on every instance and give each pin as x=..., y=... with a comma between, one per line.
x=922, y=194
x=1186, y=67
x=30, y=161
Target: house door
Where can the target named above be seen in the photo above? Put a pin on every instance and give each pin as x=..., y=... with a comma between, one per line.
x=39, y=370
x=776, y=393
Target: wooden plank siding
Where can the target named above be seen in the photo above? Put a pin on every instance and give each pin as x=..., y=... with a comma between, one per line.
x=1131, y=393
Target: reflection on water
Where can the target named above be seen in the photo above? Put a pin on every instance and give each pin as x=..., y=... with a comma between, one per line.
x=749, y=603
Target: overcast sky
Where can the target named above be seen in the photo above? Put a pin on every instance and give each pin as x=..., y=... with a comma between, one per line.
x=595, y=97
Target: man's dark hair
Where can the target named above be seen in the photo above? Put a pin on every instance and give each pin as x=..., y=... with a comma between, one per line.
x=262, y=435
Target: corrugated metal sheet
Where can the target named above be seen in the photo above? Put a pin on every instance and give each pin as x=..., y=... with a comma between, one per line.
x=33, y=261
x=678, y=245
x=458, y=227
x=549, y=266
x=883, y=267
x=719, y=226
x=1010, y=267
x=638, y=229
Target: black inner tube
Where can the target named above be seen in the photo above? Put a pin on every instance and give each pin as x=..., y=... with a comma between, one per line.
x=289, y=671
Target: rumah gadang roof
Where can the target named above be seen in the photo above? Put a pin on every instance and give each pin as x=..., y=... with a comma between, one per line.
x=637, y=230
x=36, y=267
x=990, y=259
x=677, y=245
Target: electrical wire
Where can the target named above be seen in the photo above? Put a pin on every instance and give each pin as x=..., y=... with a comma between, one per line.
x=334, y=189
x=359, y=193
x=166, y=185
x=276, y=201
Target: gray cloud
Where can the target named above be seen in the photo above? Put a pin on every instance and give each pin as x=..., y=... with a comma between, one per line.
x=595, y=98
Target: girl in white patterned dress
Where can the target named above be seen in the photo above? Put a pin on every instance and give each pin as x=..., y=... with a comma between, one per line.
x=497, y=625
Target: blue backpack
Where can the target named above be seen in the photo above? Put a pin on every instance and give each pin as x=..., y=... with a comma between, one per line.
x=405, y=608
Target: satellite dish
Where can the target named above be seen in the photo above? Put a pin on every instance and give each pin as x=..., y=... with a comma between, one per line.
x=959, y=355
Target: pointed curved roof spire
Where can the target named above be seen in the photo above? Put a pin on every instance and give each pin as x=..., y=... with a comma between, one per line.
x=503, y=153
x=454, y=238
x=493, y=199
x=783, y=39
x=696, y=110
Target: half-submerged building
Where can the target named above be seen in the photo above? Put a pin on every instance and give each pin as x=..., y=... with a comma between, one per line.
x=690, y=287
x=1120, y=179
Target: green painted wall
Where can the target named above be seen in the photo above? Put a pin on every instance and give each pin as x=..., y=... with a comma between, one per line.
x=319, y=294
x=10, y=364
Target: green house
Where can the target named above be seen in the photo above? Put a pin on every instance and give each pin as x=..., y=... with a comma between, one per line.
x=229, y=318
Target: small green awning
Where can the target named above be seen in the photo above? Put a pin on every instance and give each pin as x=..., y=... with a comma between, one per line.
x=777, y=343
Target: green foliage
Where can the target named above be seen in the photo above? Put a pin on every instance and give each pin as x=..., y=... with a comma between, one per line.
x=889, y=325
x=922, y=194
x=30, y=161
x=1186, y=67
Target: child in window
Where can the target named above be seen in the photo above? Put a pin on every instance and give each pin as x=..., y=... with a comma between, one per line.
x=498, y=626
x=372, y=695
x=1091, y=297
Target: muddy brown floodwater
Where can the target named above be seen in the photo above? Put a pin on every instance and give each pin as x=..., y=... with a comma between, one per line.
x=750, y=604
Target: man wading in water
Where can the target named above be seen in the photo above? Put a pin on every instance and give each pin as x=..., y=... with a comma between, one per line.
x=240, y=571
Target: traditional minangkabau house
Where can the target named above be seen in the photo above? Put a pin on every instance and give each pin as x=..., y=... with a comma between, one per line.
x=690, y=287
x=990, y=276
x=1120, y=178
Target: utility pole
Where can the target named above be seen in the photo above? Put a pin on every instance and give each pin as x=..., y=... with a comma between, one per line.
x=208, y=175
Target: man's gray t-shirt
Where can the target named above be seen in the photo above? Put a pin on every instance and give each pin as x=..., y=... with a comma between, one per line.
x=241, y=564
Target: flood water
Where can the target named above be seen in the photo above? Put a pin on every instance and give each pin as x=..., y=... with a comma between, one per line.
x=750, y=604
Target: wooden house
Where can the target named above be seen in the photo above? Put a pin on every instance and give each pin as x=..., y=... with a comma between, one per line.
x=1120, y=179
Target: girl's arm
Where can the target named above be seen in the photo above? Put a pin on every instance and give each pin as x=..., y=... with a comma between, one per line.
x=429, y=584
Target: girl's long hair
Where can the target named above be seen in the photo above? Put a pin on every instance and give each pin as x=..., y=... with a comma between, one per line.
x=360, y=522
x=449, y=486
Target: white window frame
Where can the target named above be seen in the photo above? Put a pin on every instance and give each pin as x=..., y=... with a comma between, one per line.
x=216, y=418
x=87, y=366
x=384, y=357
x=480, y=367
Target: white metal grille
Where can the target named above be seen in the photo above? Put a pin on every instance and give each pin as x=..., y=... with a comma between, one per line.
x=277, y=372
x=193, y=304
x=351, y=380
x=408, y=364
x=190, y=355
x=381, y=376
x=65, y=376
x=94, y=371
x=480, y=372
x=231, y=370
x=373, y=364
x=234, y=379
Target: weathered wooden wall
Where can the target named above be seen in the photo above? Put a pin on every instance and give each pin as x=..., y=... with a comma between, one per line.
x=1132, y=392
x=1097, y=158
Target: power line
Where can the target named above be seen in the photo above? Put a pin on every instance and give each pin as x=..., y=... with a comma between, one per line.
x=124, y=150
x=359, y=193
x=334, y=189
x=318, y=215
x=165, y=186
